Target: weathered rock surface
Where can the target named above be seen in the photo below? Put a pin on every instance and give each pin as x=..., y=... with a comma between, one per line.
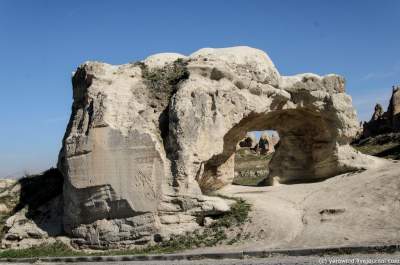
x=33, y=210
x=143, y=136
x=24, y=230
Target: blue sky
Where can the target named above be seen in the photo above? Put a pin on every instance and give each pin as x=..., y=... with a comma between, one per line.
x=42, y=42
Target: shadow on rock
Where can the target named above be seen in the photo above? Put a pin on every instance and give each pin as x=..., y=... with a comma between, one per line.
x=37, y=190
x=38, y=214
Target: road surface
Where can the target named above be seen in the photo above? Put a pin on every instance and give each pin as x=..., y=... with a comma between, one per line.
x=342, y=259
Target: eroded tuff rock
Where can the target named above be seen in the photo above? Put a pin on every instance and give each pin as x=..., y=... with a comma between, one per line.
x=267, y=143
x=145, y=139
x=384, y=122
x=33, y=210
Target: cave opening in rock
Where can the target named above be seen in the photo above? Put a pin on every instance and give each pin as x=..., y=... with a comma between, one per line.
x=305, y=153
x=252, y=157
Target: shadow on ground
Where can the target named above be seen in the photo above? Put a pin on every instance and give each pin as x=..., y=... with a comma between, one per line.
x=392, y=153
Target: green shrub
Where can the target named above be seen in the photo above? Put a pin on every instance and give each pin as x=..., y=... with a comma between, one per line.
x=45, y=250
x=164, y=80
x=210, y=236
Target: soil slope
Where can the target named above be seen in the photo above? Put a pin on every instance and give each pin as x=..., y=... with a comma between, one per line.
x=349, y=209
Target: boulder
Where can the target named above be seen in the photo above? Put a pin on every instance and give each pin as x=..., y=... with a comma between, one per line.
x=25, y=228
x=145, y=140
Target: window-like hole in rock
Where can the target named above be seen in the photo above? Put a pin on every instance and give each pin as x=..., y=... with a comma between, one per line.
x=306, y=151
x=252, y=157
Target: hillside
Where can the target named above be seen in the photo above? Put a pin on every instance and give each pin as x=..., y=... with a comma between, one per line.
x=384, y=145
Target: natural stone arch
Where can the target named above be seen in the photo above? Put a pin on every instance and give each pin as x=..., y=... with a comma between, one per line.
x=210, y=113
x=142, y=136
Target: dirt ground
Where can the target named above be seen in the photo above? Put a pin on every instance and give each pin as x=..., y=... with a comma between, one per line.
x=350, y=209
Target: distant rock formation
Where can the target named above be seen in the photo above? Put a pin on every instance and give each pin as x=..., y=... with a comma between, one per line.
x=252, y=160
x=249, y=141
x=264, y=145
x=147, y=140
x=267, y=143
x=384, y=122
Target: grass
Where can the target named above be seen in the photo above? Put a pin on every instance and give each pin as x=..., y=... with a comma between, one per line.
x=373, y=149
x=391, y=153
x=250, y=177
x=385, y=146
x=389, y=150
x=238, y=215
x=209, y=236
x=57, y=249
x=251, y=168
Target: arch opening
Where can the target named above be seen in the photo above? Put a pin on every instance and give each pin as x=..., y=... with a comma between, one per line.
x=306, y=151
x=252, y=157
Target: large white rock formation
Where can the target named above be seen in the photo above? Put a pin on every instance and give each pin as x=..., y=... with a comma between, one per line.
x=143, y=136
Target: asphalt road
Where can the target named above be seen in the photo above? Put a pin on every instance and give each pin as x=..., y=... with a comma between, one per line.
x=345, y=259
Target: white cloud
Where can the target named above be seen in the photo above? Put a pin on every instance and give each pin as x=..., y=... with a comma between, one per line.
x=378, y=75
x=382, y=75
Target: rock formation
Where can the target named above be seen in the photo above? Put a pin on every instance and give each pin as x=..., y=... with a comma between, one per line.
x=249, y=141
x=378, y=112
x=34, y=210
x=145, y=139
x=384, y=122
x=266, y=144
